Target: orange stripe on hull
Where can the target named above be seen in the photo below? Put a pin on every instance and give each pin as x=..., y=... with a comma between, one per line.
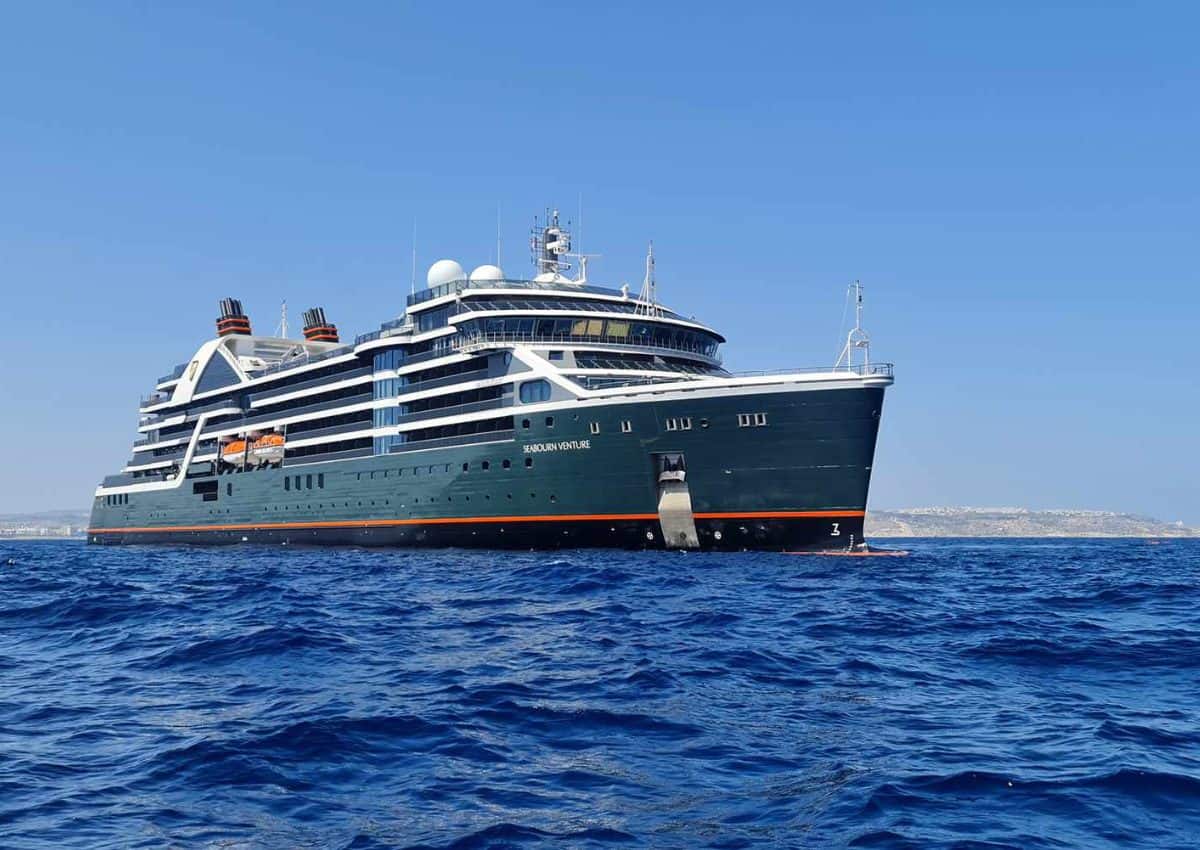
x=392, y=523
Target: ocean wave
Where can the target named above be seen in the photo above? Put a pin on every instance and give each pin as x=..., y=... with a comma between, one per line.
x=970, y=696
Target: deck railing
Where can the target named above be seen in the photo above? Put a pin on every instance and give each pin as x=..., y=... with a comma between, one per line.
x=864, y=369
x=455, y=286
x=478, y=341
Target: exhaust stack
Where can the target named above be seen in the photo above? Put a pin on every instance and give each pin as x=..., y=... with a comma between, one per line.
x=316, y=329
x=233, y=319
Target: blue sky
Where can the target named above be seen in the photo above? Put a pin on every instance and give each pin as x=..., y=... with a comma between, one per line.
x=1017, y=188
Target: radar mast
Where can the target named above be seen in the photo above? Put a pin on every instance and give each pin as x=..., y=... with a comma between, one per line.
x=857, y=338
x=549, y=243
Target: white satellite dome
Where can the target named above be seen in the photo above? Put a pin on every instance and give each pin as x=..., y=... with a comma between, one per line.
x=487, y=272
x=444, y=271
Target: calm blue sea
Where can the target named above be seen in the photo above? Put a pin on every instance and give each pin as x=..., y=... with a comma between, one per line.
x=972, y=695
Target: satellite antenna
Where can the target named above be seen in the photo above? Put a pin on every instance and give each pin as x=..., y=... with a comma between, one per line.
x=857, y=338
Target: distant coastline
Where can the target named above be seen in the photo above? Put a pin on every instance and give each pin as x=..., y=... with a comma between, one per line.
x=44, y=525
x=1017, y=522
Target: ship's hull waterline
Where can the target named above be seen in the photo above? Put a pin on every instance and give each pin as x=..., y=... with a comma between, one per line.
x=585, y=477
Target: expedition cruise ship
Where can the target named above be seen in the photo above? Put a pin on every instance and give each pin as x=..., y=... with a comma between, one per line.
x=500, y=413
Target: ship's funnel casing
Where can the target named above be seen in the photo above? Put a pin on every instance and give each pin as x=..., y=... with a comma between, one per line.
x=233, y=319
x=316, y=328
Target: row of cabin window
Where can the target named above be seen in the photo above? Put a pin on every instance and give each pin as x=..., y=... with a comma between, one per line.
x=292, y=482
x=117, y=499
x=594, y=427
x=484, y=465
x=371, y=503
x=684, y=423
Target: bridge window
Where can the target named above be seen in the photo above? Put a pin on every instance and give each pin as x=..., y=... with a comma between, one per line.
x=534, y=391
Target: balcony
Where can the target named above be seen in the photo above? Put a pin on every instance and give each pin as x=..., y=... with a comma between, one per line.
x=447, y=381
x=460, y=440
x=258, y=398
x=324, y=457
x=454, y=410
x=297, y=411
x=331, y=430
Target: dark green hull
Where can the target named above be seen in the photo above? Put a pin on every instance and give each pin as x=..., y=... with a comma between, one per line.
x=798, y=482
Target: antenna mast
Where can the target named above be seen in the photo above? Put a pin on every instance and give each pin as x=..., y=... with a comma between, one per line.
x=282, y=329
x=857, y=338
x=649, y=293
x=413, y=281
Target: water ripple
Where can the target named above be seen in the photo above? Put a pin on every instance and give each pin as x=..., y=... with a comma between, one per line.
x=975, y=694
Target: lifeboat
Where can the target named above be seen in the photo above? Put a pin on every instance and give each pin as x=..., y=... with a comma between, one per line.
x=267, y=449
x=234, y=453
